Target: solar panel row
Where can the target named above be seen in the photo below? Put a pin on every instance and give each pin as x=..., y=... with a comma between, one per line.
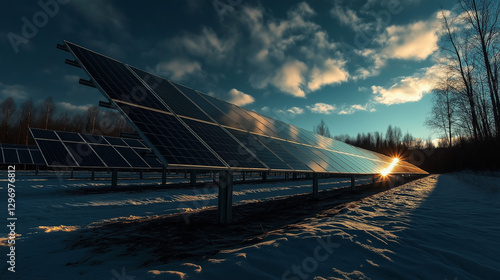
x=187, y=128
x=68, y=149
x=20, y=154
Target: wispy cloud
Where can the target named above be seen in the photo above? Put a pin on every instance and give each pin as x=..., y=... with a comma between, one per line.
x=322, y=108
x=409, y=88
x=14, y=91
x=177, y=69
x=240, y=98
x=331, y=72
x=70, y=107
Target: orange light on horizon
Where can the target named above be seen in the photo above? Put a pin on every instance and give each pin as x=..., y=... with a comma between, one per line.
x=388, y=170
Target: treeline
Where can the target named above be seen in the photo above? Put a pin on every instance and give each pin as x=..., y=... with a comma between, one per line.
x=15, y=120
x=392, y=143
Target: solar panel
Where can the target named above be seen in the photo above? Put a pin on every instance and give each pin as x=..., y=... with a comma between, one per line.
x=186, y=128
x=91, y=151
x=11, y=156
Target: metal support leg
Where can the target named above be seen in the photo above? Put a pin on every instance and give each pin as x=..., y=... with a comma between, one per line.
x=164, y=176
x=315, y=185
x=374, y=179
x=141, y=174
x=72, y=175
x=353, y=182
x=36, y=170
x=114, y=178
x=243, y=176
x=92, y=175
x=264, y=177
x=214, y=179
x=225, y=197
x=193, y=178
x=294, y=176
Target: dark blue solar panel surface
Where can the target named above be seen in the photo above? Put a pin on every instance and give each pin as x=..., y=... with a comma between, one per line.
x=115, y=78
x=55, y=153
x=224, y=145
x=175, y=99
x=171, y=138
x=37, y=157
x=44, y=134
x=179, y=146
x=11, y=156
x=262, y=152
x=133, y=158
x=24, y=156
x=83, y=154
x=110, y=156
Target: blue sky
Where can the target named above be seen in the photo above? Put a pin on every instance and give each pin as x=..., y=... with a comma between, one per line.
x=359, y=65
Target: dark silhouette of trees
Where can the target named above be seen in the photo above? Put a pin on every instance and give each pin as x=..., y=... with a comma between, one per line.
x=322, y=129
x=15, y=123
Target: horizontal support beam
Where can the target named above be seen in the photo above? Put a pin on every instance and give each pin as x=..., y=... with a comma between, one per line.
x=88, y=83
x=72, y=63
x=105, y=104
x=62, y=47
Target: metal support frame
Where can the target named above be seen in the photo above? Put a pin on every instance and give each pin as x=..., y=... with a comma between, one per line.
x=374, y=179
x=225, y=202
x=315, y=185
x=114, y=178
x=141, y=174
x=353, y=182
x=164, y=175
x=243, y=175
x=294, y=176
x=192, y=178
x=72, y=174
x=92, y=176
x=264, y=177
x=36, y=170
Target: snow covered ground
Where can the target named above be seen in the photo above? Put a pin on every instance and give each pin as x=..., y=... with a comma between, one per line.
x=437, y=227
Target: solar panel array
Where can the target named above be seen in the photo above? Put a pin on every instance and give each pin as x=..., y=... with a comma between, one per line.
x=187, y=128
x=68, y=149
x=20, y=154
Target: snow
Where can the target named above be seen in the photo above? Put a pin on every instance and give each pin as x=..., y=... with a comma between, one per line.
x=438, y=227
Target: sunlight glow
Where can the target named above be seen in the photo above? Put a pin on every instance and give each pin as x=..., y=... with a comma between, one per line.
x=388, y=170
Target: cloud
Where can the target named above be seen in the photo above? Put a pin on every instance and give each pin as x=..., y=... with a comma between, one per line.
x=331, y=72
x=177, y=69
x=290, y=77
x=415, y=41
x=207, y=44
x=70, y=107
x=349, y=110
x=265, y=109
x=295, y=111
x=72, y=78
x=322, y=108
x=410, y=88
x=101, y=14
x=239, y=98
x=14, y=91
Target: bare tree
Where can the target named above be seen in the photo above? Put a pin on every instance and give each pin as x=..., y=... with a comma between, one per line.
x=46, y=110
x=322, y=129
x=483, y=16
x=25, y=121
x=8, y=108
x=92, y=118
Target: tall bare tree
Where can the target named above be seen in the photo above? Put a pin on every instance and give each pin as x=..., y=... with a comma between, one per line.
x=322, y=129
x=7, y=109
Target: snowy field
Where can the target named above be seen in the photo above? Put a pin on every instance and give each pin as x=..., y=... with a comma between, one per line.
x=438, y=227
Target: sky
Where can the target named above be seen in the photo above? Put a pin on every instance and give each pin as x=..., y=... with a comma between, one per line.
x=358, y=65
